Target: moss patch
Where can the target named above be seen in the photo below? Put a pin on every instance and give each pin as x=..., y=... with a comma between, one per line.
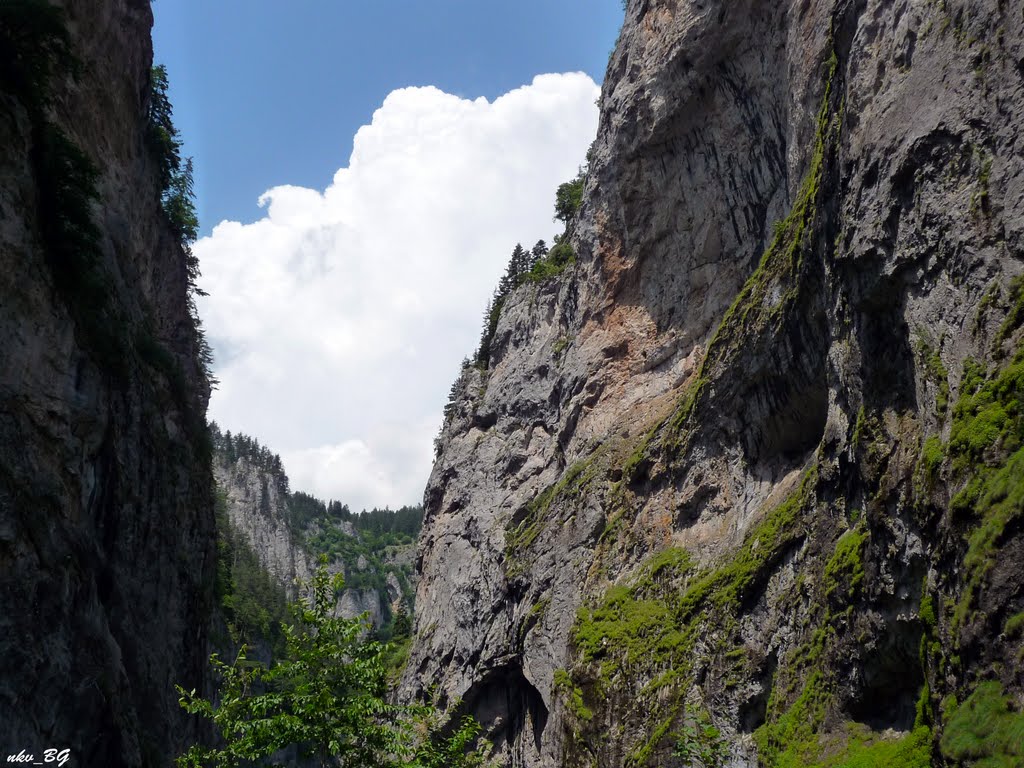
x=989, y=413
x=867, y=749
x=987, y=730
x=1015, y=316
x=935, y=371
x=520, y=536
x=845, y=569
x=572, y=695
x=645, y=631
x=986, y=446
x=776, y=283
x=1014, y=626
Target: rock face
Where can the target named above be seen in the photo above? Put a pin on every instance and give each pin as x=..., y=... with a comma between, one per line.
x=106, y=505
x=287, y=538
x=745, y=485
x=257, y=508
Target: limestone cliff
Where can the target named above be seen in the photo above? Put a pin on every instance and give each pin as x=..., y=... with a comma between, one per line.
x=287, y=532
x=744, y=486
x=106, y=505
x=257, y=508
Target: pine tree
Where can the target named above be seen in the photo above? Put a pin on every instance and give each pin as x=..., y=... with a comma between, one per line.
x=540, y=250
x=483, y=351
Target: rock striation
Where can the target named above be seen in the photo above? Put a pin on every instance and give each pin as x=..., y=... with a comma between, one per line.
x=745, y=486
x=106, y=492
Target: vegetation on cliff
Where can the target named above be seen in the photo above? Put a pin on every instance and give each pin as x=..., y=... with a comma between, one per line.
x=534, y=266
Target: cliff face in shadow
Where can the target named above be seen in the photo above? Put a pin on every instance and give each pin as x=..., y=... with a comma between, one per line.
x=106, y=490
x=744, y=486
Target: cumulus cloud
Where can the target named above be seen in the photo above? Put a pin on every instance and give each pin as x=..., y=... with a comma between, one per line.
x=339, y=319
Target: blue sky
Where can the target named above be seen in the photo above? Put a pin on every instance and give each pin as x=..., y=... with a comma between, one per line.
x=363, y=171
x=270, y=92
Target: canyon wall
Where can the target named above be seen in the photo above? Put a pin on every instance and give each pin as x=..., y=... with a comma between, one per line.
x=106, y=491
x=743, y=486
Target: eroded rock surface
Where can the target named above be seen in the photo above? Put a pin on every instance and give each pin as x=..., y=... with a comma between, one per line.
x=729, y=469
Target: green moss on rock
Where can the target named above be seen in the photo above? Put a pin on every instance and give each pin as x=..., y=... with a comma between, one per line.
x=986, y=731
x=519, y=537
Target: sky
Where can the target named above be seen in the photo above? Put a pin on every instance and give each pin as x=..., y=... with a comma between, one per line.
x=363, y=171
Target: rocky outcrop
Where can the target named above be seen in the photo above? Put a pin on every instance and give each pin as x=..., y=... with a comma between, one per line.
x=106, y=505
x=257, y=507
x=287, y=539
x=744, y=485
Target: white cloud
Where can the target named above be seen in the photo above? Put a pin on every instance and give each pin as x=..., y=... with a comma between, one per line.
x=340, y=318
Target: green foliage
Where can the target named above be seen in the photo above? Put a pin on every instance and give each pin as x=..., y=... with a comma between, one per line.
x=34, y=49
x=987, y=730
x=985, y=444
x=782, y=262
x=558, y=259
x=701, y=744
x=332, y=529
x=378, y=532
x=254, y=603
x=775, y=284
x=1015, y=316
x=1014, y=626
x=518, y=270
x=454, y=751
x=790, y=740
x=177, y=195
x=519, y=536
x=866, y=749
x=327, y=697
x=650, y=625
x=927, y=613
x=627, y=630
x=569, y=198
x=162, y=136
x=402, y=624
x=233, y=448
x=177, y=199
x=179, y=206
x=68, y=192
x=988, y=414
x=491, y=316
x=935, y=371
x=573, y=696
x=980, y=197
x=933, y=453
x=533, y=266
x=997, y=498
x=795, y=740
x=845, y=569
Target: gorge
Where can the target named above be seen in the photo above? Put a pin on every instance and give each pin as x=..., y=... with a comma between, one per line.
x=738, y=482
